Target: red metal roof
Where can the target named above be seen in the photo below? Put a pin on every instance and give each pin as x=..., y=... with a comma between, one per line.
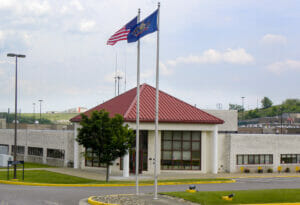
x=171, y=109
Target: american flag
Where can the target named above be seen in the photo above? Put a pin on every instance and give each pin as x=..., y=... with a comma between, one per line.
x=122, y=33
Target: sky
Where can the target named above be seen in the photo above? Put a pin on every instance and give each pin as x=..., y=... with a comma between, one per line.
x=212, y=52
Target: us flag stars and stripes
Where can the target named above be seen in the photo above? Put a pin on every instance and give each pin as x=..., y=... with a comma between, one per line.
x=122, y=33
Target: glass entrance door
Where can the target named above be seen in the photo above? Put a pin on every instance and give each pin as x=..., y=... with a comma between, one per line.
x=143, y=154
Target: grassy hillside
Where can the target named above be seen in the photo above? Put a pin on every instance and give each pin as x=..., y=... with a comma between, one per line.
x=288, y=106
x=53, y=117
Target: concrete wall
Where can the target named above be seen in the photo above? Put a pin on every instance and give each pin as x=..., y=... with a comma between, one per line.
x=229, y=116
x=52, y=139
x=263, y=144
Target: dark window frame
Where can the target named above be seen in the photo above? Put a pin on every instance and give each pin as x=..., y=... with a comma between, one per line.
x=181, y=163
x=55, y=153
x=20, y=149
x=289, y=158
x=35, y=151
x=254, y=159
x=94, y=161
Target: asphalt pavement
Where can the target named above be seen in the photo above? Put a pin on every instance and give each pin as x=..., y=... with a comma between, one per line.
x=37, y=195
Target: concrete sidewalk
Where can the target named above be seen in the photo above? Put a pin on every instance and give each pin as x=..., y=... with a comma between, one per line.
x=171, y=175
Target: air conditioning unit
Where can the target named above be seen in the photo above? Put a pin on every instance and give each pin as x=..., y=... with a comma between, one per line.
x=4, y=158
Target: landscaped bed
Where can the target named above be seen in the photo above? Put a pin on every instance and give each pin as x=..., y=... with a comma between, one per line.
x=241, y=197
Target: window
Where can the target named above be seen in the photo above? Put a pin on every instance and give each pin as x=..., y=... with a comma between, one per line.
x=4, y=149
x=181, y=150
x=56, y=153
x=35, y=151
x=20, y=149
x=244, y=159
x=290, y=158
x=92, y=159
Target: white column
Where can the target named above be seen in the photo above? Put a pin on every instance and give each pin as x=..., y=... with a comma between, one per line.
x=126, y=165
x=76, y=148
x=215, y=150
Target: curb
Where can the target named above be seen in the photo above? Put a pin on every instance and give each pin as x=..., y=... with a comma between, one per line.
x=93, y=202
x=245, y=177
x=297, y=203
x=113, y=185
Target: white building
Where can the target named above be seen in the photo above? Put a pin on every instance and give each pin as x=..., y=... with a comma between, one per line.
x=190, y=140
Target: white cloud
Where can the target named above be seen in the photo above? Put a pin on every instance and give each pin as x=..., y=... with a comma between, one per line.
x=284, y=66
x=77, y=5
x=37, y=7
x=164, y=69
x=274, y=39
x=87, y=25
x=211, y=56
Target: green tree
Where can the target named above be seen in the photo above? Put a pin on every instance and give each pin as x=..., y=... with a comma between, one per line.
x=108, y=137
x=237, y=107
x=266, y=102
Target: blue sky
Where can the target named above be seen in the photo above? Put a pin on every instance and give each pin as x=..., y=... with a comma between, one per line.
x=210, y=51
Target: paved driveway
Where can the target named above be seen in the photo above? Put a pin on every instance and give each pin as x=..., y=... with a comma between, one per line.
x=33, y=195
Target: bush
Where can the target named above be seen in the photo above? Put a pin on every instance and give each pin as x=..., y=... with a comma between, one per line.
x=270, y=170
x=247, y=170
x=287, y=170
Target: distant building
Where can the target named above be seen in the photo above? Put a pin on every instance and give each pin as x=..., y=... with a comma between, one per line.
x=76, y=110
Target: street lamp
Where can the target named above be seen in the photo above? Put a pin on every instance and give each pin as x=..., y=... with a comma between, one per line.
x=40, y=110
x=243, y=107
x=33, y=112
x=16, y=107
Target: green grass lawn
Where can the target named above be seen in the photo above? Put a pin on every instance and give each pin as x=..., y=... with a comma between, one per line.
x=43, y=176
x=31, y=165
x=241, y=197
x=53, y=117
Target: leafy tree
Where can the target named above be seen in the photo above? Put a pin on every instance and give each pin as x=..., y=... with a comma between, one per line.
x=266, y=102
x=237, y=107
x=108, y=137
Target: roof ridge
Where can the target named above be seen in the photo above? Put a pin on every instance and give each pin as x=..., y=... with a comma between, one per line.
x=134, y=100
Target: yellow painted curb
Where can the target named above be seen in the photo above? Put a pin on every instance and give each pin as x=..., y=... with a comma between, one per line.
x=112, y=185
x=93, y=202
x=244, y=177
x=297, y=203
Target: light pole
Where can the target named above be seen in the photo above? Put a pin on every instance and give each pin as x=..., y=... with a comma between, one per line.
x=40, y=109
x=16, y=107
x=243, y=107
x=33, y=112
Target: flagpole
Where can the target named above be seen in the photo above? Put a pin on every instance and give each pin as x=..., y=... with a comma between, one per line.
x=156, y=105
x=137, y=114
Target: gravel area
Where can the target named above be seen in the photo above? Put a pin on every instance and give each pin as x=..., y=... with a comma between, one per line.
x=142, y=199
x=121, y=199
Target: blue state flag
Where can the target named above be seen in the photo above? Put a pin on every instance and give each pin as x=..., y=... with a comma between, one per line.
x=148, y=25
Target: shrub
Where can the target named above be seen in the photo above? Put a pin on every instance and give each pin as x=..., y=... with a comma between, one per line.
x=247, y=170
x=270, y=170
x=287, y=170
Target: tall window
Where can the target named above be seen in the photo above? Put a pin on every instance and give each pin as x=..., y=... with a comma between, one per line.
x=290, y=158
x=56, y=153
x=35, y=151
x=181, y=150
x=92, y=159
x=244, y=159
